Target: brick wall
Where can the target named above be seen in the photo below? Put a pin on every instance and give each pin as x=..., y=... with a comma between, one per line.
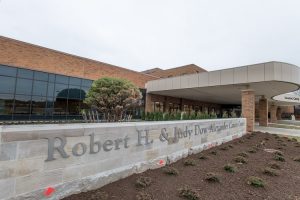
x=21, y=54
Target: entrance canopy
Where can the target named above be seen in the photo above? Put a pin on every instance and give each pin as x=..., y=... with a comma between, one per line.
x=224, y=86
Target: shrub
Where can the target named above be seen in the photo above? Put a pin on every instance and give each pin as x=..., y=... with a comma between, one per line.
x=225, y=114
x=213, y=115
x=279, y=158
x=166, y=116
x=188, y=193
x=230, y=146
x=252, y=150
x=274, y=165
x=243, y=154
x=184, y=116
x=240, y=159
x=230, y=168
x=297, y=159
x=144, y=196
x=189, y=162
x=294, y=140
x=213, y=152
x=143, y=181
x=270, y=172
x=170, y=171
x=203, y=157
x=279, y=153
x=212, y=177
x=255, y=181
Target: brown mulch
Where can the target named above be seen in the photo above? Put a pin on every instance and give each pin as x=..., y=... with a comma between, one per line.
x=230, y=185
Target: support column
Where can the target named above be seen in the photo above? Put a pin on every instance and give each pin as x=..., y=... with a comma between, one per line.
x=149, y=103
x=279, y=112
x=273, y=112
x=263, y=111
x=248, y=108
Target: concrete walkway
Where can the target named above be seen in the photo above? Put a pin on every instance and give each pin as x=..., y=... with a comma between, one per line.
x=281, y=131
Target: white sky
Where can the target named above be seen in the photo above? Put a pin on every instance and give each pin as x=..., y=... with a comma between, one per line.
x=140, y=34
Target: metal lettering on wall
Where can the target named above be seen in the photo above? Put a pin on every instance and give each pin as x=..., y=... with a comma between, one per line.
x=58, y=143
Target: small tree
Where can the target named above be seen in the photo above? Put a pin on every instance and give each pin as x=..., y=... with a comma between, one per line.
x=113, y=96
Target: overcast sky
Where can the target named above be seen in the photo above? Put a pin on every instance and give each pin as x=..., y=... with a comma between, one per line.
x=142, y=34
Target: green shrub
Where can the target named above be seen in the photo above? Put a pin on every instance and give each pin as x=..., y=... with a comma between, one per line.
x=212, y=177
x=166, y=116
x=279, y=153
x=255, y=181
x=243, y=154
x=225, y=114
x=143, y=181
x=297, y=159
x=189, y=162
x=188, y=193
x=294, y=140
x=240, y=159
x=170, y=171
x=143, y=196
x=213, y=115
x=230, y=168
x=270, y=172
x=274, y=165
x=203, y=157
x=252, y=150
x=279, y=158
x=184, y=116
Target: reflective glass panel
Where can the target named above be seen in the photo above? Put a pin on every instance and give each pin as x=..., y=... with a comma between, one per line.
x=24, y=86
x=74, y=92
x=7, y=84
x=87, y=83
x=8, y=71
x=25, y=73
x=43, y=76
x=62, y=79
x=6, y=104
x=38, y=105
x=39, y=88
x=75, y=81
x=51, y=78
x=50, y=91
x=22, y=104
x=61, y=91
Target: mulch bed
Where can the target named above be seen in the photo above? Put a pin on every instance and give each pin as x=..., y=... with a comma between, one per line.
x=258, y=150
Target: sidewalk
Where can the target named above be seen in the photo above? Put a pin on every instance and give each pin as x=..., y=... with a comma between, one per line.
x=281, y=131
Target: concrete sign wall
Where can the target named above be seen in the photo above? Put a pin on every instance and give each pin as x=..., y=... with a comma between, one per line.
x=72, y=158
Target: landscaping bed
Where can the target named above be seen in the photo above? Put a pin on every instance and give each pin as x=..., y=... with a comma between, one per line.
x=256, y=166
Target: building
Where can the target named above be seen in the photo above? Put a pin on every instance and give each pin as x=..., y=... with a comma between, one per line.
x=38, y=83
x=265, y=88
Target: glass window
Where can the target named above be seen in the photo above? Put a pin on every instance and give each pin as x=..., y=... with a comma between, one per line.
x=87, y=83
x=7, y=84
x=43, y=76
x=39, y=88
x=25, y=73
x=38, y=105
x=49, y=106
x=22, y=104
x=62, y=79
x=74, y=92
x=61, y=91
x=6, y=104
x=75, y=81
x=51, y=78
x=60, y=106
x=50, y=91
x=8, y=71
x=84, y=91
x=73, y=107
x=24, y=86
